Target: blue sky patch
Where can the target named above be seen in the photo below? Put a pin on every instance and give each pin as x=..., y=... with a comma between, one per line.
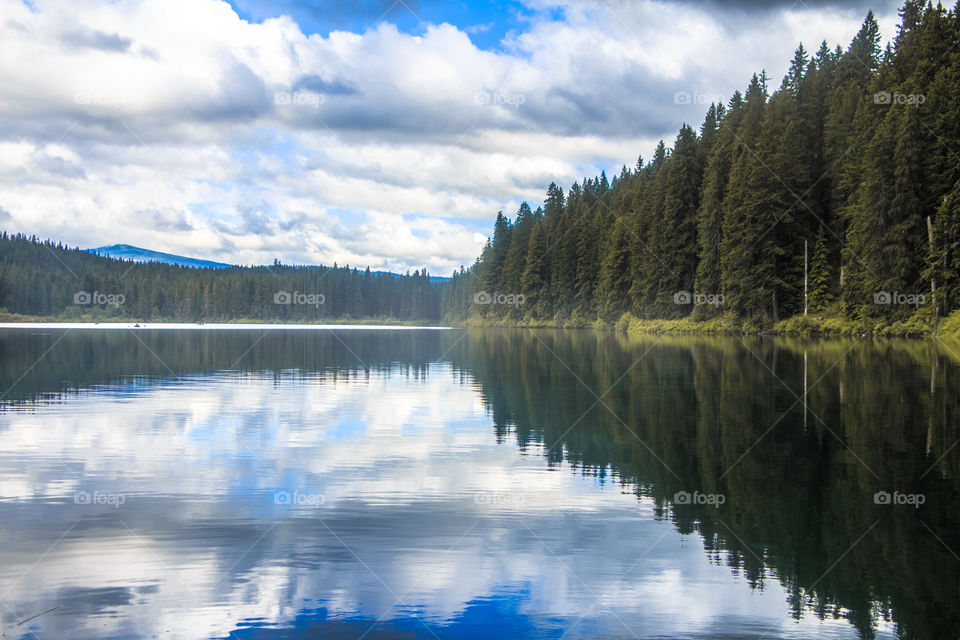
x=487, y=23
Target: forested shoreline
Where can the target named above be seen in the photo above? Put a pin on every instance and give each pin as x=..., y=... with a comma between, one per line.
x=839, y=192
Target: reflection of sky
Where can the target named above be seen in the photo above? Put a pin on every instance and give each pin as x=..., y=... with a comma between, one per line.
x=409, y=509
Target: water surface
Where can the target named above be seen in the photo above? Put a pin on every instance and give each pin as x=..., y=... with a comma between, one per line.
x=280, y=483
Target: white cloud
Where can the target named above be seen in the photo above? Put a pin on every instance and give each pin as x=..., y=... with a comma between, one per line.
x=160, y=124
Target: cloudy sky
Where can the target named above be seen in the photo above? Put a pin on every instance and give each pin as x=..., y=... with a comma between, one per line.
x=363, y=132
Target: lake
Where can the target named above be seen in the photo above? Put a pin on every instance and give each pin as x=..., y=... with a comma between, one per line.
x=415, y=483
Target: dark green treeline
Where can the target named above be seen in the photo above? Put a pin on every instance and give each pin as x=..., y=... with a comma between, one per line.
x=46, y=279
x=845, y=162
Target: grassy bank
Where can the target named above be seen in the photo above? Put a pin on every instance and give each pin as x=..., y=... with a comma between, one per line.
x=920, y=324
x=18, y=317
x=627, y=323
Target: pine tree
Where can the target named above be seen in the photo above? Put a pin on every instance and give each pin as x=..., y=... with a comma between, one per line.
x=944, y=259
x=793, y=81
x=645, y=252
x=534, y=284
x=711, y=213
x=563, y=251
x=587, y=261
x=516, y=254
x=885, y=248
x=500, y=245
x=673, y=232
x=738, y=251
x=614, y=278
x=821, y=275
x=850, y=121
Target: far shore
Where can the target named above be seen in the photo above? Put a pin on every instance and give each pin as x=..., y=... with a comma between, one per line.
x=201, y=325
x=921, y=325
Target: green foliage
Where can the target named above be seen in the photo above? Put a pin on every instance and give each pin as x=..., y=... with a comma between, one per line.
x=631, y=325
x=711, y=212
x=821, y=275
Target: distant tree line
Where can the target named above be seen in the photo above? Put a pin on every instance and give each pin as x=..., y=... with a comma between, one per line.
x=844, y=183
x=41, y=278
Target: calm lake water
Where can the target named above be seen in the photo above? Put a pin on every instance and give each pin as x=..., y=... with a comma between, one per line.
x=345, y=483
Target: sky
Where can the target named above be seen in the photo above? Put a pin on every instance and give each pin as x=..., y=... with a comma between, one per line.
x=362, y=132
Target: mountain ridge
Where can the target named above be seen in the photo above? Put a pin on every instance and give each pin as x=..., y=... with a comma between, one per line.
x=139, y=254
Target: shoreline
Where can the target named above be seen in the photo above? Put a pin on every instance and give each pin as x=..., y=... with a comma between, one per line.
x=234, y=326
x=811, y=326
x=827, y=327
x=14, y=320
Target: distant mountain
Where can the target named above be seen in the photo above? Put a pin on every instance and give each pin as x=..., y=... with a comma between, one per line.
x=137, y=254
x=433, y=279
x=129, y=252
